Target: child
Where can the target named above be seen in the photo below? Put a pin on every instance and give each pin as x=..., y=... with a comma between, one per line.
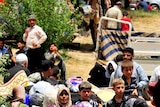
x=125, y=27
x=85, y=92
x=118, y=100
x=130, y=82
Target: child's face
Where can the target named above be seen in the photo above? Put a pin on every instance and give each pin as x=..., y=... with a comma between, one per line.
x=64, y=97
x=119, y=89
x=85, y=94
x=127, y=72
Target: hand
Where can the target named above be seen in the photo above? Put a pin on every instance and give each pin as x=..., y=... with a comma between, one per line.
x=27, y=30
x=34, y=44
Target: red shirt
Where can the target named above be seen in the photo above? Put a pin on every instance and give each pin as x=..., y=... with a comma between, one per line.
x=125, y=27
x=150, y=7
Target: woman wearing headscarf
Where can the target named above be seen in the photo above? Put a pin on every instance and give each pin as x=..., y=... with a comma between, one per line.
x=63, y=98
x=110, y=68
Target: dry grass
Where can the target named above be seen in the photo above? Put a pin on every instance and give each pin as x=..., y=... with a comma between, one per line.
x=81, y=61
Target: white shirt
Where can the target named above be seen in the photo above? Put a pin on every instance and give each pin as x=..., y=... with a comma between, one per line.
x=36, y=35
x=156, y=75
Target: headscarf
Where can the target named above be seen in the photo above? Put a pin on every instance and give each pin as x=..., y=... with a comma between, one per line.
x=114, y=67
x=58, y=103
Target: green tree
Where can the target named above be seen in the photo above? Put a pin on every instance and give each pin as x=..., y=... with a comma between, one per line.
x=52, y=15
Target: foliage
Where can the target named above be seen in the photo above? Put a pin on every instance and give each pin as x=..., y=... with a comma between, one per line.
x=4, y=62
x=4, y=102
x=52, y=15
x=141, y=13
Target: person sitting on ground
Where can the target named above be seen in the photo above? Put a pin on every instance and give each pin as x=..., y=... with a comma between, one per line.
x=111, y=66
x=55, y=74
x=46, y=72
x=21, y=64
x=149, y=6
x=141, y=4
x=21, y=49
x=4, y=50
x=38, y=91
x=120, y=100
x=63, y=98
x=117, y=59
x=6, y=53
x=138, y=72
x=55, y=56
x=130, y=82
x=18, y=97
x=85, y=93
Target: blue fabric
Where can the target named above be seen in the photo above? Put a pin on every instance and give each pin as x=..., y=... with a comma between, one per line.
x=144, y=5
x=4, y=50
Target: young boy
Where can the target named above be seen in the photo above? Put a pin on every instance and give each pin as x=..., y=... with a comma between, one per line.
x=130, y=82
x=125, y=27
x=119, y=99
x=85, y=92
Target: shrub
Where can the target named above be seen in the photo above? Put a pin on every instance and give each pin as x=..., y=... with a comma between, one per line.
x=52, y=15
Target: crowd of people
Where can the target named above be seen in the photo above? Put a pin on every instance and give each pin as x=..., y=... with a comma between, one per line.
x=47, y=80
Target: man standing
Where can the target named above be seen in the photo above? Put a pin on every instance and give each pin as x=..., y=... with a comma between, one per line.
x=114, y=12
x=94, y=21
x=34, y=36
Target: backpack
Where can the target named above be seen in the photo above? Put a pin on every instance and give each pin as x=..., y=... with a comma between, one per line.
x=140, y=103
x=134, y=101
x=97, y=76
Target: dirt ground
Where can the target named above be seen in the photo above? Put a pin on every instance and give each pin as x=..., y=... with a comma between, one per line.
x=81, y=61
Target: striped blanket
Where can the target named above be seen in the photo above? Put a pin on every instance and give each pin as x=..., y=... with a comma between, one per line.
x=112, y=42
x=19, y=78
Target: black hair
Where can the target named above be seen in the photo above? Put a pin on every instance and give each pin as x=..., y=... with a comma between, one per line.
x=118, y=58
x=46, y=64
x=52, y=44
x=125, y=13
x=56, y=71
x=21, y=41
x=2, y=39
x=84, y=85
x=129, y=50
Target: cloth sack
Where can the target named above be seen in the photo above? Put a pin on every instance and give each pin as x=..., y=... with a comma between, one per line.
x=73, y=83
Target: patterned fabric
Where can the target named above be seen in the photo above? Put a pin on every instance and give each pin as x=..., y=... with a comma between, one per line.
x=19, y=78
x=112, y=42
x=89, y=103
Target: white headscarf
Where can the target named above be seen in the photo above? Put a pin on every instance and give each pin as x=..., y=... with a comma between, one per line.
x=114, y=67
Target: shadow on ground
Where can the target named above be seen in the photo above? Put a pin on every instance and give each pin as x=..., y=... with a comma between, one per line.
x=79, y=46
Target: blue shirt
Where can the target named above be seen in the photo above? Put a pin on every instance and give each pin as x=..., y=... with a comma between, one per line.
x=143, y=5
x=138, y=72
x=4, y=50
